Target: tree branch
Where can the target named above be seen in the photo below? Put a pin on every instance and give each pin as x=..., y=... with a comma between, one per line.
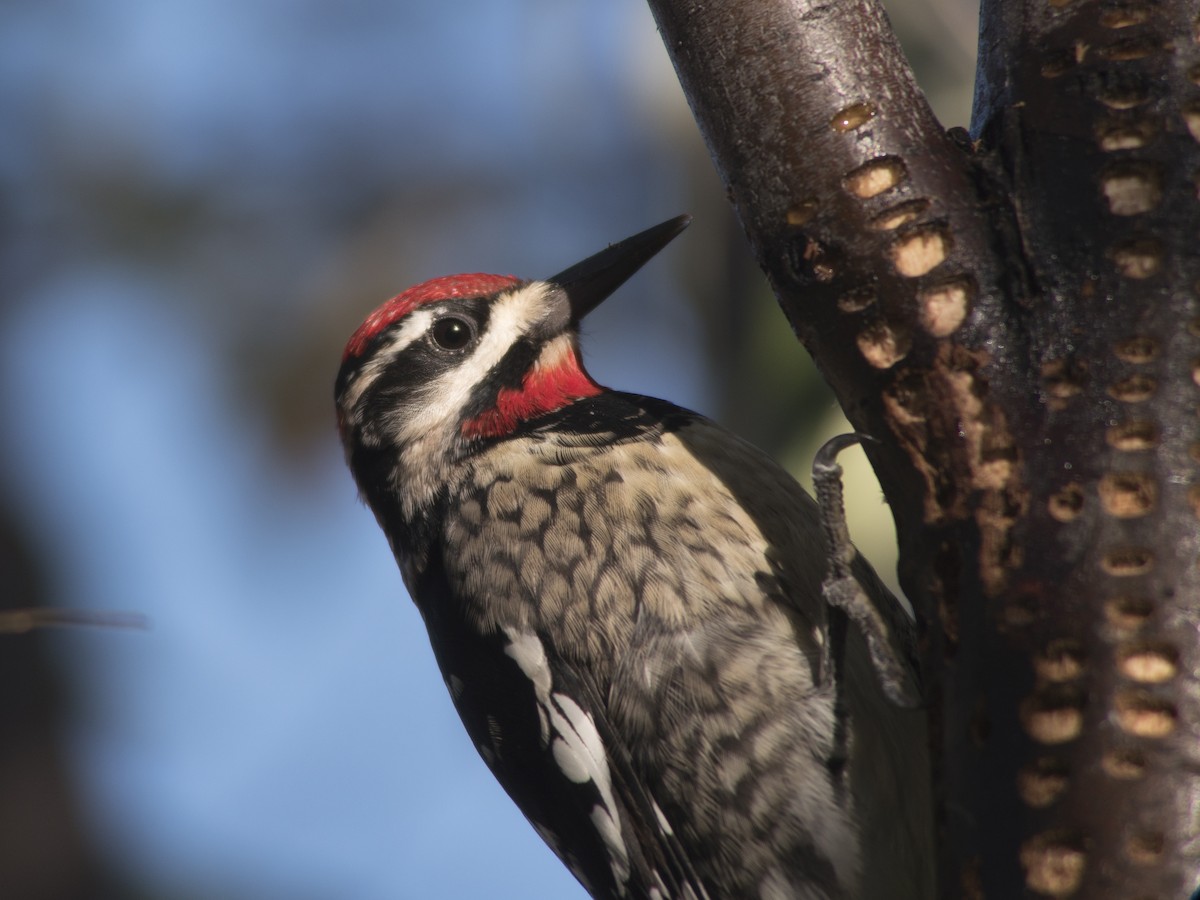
x=1015, y=320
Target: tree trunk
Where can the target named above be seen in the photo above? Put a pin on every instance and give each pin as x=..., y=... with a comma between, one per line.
x=1014, y=315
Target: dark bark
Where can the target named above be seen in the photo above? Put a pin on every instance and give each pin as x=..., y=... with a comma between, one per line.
x=1014, y=317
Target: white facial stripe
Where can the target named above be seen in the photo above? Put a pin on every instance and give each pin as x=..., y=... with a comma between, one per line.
x=510, y=317
x=554, y=352
x=413, y=329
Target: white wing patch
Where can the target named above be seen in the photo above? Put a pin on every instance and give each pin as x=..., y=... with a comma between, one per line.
x=662, y=819
x=571, y=733
x=578, y=748
x=530, y=655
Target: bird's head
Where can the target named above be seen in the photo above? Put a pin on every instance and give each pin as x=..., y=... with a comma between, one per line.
x=460, y=360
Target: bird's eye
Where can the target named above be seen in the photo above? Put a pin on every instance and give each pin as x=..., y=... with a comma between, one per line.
x=451, y=333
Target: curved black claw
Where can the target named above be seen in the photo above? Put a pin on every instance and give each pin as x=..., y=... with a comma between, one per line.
x=870, y=606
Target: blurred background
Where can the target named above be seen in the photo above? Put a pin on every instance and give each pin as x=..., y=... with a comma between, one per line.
x=199, y=201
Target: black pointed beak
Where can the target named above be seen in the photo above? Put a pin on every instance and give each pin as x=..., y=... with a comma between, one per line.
x=588, y=283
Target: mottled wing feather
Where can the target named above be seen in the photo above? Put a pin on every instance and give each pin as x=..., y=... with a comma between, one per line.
x=792, y=517
x=540, y=728
x=662, y=868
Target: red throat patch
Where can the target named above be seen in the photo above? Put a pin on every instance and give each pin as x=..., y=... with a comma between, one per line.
x=448, y=287
x=543, y=390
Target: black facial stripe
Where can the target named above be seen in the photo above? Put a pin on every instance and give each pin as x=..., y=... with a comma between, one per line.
x=401, y=383
x=509, y=372
x=408, y=372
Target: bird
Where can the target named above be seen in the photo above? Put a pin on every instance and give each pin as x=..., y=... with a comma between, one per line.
x=624, y=600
